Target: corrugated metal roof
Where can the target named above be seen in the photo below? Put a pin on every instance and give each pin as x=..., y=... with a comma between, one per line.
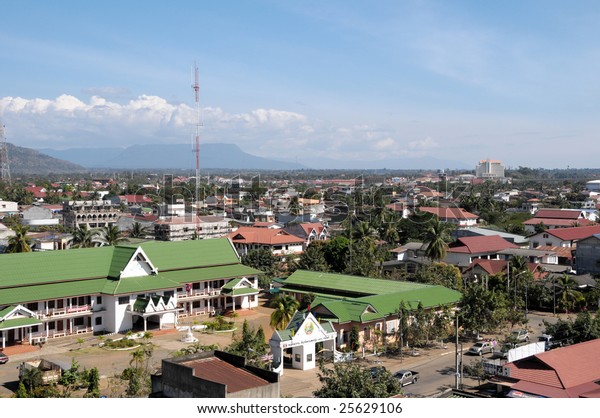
x=216, y=370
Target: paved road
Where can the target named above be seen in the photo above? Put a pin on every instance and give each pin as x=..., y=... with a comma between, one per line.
x=435, y=365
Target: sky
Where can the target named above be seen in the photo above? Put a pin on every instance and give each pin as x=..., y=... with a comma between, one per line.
x=348, y=80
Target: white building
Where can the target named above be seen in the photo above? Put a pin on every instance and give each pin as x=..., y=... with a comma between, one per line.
x=489, y=169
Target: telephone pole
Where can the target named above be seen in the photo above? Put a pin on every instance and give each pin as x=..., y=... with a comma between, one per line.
x=4, y=165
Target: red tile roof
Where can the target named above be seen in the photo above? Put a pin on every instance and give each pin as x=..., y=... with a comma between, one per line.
x=497, y=266
x=396, y=207
x=450, y=213
x=564, y=252
x=566, y=372
x=574, y=234
x=266, y=236
x=216, y=370
x=559, y=214
x=562, y=223
x=480, y=244
x=135, y=198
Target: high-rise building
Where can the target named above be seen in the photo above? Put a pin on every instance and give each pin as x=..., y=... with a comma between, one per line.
x=489, y=169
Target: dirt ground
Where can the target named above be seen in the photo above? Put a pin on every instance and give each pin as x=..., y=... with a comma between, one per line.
x=87, y=352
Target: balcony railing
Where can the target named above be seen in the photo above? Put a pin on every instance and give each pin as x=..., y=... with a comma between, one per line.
x=66, y=311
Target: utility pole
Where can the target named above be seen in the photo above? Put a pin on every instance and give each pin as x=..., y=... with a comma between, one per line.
x=4, y=165
x=457, y=374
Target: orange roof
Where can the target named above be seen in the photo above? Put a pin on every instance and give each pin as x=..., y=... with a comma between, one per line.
x=480, y=244
x=563, y=372
x=265, y=236
x=450, y=213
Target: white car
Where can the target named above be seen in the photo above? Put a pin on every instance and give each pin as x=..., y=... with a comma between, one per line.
x=482, y=347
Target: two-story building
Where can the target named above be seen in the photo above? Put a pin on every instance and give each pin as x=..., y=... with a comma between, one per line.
x=118, y=288
x=456, y=216
x=278, y=241
x=93, y=213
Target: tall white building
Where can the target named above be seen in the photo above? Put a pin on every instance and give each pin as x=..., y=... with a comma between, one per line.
x=489, y=169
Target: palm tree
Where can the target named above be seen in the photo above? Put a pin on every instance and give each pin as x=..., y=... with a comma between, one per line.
x=569, y=298
x=83, y=237
x=138, y=230
x=285, y=307
x=111, y=235
x=437, y=236
x=20, y=242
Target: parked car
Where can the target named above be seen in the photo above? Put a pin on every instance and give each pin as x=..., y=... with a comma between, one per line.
x=482, y=347
x=406, y=377
x=549, y=341
x=519, y=335
x=3, y=358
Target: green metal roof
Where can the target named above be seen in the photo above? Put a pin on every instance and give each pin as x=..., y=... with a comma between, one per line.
x=19, y=323
x=231, y=284
x=382, y=296
x=138, y=284
x=210, y=273
x=242, y=291
x=120, y=258
x=51, y=291
x=346, y=310
x=6, y=311
x=27, y=277
x=53, y=266
x=75, y=264
x=430, y=297
x=343, y=284
x=191, y=253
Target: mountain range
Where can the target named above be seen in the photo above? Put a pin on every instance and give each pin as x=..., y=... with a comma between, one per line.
x=181, y=156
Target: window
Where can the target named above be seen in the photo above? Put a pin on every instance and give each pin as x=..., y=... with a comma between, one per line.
x=78, y=321
x=309, y=357
x=99, y=300
x=98, y=320
x=123, y=300
x=297, y=358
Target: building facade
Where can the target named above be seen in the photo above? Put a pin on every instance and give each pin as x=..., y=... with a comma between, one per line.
x=115, y=289
x=489, y=169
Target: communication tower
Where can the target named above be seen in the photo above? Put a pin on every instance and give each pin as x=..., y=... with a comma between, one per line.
x=4, y=165
x=196, y=87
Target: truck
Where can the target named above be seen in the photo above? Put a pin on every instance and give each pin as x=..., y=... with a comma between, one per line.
x=50, y=372
x=406, y=377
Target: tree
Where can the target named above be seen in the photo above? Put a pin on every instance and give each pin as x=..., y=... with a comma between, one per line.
x=93, y=383
x=336, y=253
x=285, y=306
x=20, y=242
x=437, y=236
x=354, y=338
x=83, y=237
x=350, y=380
x=482, y=309
x=569, y=298
x=313, y=258
x=111, y=235
x=251, y=345
x=138, y=230
x=447, y=275
x=261, y=259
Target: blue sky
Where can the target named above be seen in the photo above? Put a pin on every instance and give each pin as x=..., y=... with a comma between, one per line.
x=346, y=80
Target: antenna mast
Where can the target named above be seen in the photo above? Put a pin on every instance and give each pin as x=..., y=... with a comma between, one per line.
x=4, y=166
x=196, y=87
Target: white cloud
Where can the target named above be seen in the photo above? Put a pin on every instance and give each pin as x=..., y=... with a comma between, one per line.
x=422, y=144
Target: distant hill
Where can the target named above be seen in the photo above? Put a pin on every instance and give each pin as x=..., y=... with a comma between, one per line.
x=169, y=156
x=416, y=163
x=29, y=161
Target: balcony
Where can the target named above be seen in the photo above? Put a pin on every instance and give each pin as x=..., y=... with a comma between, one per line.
x=66, y=312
